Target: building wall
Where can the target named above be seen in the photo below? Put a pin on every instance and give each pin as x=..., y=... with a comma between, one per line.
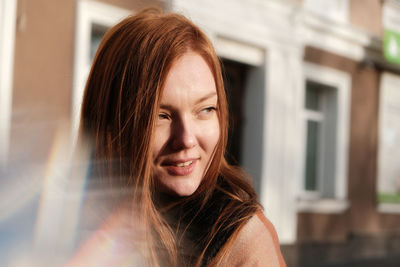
x=36, y=182
x=362, y=216
x=363, y=150
x=43, y=74
x=361, y=232
x=365, y=15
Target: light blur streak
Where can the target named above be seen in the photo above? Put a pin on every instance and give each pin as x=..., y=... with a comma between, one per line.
x=60, y=204
x=19, y=193
x=47, y=211
x=17, y=190
x=75, y=195
x=115, y=243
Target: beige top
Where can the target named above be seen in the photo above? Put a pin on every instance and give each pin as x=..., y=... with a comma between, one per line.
x=256, y=245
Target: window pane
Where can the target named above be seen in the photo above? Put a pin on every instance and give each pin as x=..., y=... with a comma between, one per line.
x=96, y=36
x=313, y=92
x=311, y=168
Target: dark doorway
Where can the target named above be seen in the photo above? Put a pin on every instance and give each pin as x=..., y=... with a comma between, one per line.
x=235, y=75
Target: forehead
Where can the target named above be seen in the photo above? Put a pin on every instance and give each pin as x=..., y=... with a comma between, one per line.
x=189, y=77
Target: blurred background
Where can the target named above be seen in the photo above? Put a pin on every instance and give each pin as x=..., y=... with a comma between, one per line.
x=314, y=93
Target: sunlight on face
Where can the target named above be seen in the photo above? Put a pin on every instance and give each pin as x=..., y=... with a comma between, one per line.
x=187, y=130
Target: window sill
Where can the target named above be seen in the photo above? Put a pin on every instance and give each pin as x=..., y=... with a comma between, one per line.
x=388, y=208
x=326, y=206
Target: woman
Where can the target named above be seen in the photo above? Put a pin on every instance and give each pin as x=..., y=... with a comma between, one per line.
x=156, y=115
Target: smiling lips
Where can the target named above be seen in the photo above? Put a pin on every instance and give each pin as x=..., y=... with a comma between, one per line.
x=181, y=167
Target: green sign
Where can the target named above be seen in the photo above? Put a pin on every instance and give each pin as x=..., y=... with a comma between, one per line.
x=391, y=46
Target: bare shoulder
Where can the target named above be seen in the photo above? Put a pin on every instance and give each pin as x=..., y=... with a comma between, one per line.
x=257, y=244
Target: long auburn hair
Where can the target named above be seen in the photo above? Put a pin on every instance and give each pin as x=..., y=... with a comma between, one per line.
x=120, y=109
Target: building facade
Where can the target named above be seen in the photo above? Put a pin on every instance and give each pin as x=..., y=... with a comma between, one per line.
x=313, y=88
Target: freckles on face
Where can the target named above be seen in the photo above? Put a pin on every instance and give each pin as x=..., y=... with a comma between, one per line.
x=187, y=130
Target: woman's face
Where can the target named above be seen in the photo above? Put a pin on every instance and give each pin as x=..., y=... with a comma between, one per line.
x=187, y=129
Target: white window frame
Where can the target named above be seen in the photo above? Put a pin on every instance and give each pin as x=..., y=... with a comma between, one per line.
x=88, y=13
x=342, y=82
x=7, y=41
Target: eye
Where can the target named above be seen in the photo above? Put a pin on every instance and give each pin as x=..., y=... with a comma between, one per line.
x=163, y=116
x=209, y=109
x=207, y=112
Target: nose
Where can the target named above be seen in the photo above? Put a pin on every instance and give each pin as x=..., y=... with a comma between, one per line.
x=184, y=136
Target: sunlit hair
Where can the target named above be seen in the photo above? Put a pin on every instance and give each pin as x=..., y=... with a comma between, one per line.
x=120, y=110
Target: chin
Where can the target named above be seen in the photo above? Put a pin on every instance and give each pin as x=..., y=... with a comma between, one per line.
x=182, y=190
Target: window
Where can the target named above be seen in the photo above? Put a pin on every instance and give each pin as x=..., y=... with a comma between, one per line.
x=234, y=79
x=244, y=74
x=93, y=20
x=320, y=120
x=96, y=35
x=325, y=116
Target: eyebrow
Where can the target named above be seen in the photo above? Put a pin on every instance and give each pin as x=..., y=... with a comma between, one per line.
x=202, y=99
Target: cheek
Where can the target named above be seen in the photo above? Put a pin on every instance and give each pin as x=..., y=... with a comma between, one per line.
x=161, y=136
x=210, y=135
